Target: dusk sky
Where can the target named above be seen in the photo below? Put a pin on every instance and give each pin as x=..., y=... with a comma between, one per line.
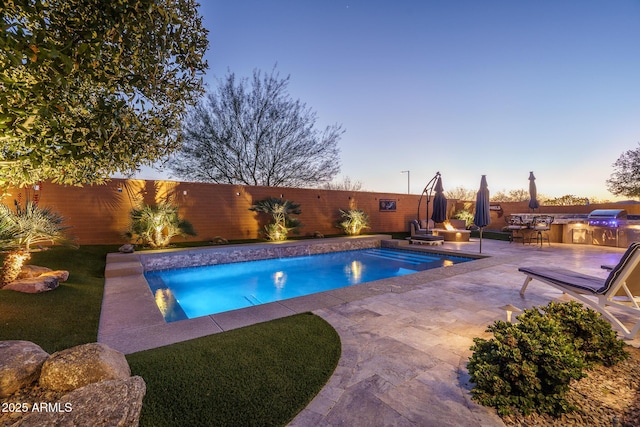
x=462, y=87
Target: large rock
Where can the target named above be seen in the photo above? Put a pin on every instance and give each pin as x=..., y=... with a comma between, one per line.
x=28, y=271
x=33, y=285
x=81, y=365
x=127, y=249
x=61, y=275
x=107, y=403
x=20, y=364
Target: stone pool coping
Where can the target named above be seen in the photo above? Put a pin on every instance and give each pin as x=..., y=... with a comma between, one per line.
x=130, y=320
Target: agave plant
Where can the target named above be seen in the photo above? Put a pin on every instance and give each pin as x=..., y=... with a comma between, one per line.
x=156, y=225
x=353, y=221
x=281, y=211
x=22, y=229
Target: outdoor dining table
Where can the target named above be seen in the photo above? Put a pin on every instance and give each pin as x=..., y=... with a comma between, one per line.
x=524, y=229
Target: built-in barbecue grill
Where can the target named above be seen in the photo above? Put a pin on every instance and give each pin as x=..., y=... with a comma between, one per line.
x=606, y=225
x=607, y=217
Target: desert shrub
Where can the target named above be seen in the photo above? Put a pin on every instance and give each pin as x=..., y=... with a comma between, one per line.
x=529, y=365
x=353, y=221
x=591, y=333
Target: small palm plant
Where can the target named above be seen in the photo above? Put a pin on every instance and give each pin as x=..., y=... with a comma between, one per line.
x=281, y=212
x=22, y=229
x=353, y=221
x=465, y=215
x=156, y=225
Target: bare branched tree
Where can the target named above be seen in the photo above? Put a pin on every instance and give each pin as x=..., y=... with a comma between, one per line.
x=345, y=185
x=567, y=200
x=461, y=193
x=519, y=195
x=254, y=133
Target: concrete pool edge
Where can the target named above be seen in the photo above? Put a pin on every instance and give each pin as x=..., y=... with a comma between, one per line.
x=130, y=320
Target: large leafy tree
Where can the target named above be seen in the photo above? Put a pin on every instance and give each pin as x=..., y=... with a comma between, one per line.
x=254, y=133
x=93, y=87
x=625, y=179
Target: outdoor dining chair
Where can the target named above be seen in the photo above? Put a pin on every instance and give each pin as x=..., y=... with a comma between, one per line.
x=539, y=229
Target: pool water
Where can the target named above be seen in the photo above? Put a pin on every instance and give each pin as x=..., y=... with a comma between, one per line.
x=187, y=293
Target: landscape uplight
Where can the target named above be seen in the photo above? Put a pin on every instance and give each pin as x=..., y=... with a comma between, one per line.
x=510, y=309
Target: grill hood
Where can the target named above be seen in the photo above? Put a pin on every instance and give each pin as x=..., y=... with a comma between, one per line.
x=607, y=217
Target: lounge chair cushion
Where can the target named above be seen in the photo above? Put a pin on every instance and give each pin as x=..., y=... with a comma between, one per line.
x=564, y=277
x=429, y=237
x=617, y=270
x=592, y=284
x=623, y=281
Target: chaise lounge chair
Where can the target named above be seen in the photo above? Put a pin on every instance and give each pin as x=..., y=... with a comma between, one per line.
x=621, y=289
x=420, y=235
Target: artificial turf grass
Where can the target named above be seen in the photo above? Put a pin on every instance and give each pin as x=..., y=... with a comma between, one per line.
x=67, y=316
x=262, y=374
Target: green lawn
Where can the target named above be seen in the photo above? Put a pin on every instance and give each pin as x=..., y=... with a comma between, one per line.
x=259, y=375
x=67, y=316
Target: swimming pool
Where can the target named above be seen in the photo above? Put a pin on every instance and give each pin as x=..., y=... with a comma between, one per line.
x=187, y=293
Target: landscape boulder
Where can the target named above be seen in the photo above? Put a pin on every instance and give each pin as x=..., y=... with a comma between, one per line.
x=61, y=275
x=20, y=364
x=33, y=285
x=107, y=403
x=81, y=365
x=34, y=279
x=127, y=249
x=28, y=271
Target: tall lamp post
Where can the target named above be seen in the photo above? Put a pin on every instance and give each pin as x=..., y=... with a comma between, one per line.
x=408, y=181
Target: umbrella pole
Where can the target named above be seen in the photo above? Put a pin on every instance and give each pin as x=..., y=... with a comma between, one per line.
x=481, y=239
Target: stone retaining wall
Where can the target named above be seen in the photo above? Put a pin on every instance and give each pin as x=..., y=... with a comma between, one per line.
x=238, y=253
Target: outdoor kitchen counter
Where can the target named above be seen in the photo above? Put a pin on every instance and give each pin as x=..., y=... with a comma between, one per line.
x=557, y=229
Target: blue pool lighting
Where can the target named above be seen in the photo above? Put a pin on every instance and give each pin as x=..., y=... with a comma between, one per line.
x=187, y=293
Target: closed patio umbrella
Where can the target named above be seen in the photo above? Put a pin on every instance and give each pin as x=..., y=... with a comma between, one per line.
x=533, y=193
x=482, y=216
x=439, y=204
